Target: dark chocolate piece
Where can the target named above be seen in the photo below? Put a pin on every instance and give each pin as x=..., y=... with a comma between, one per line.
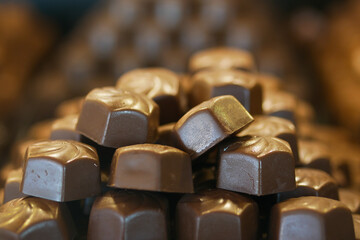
x=61, y=170
x=35, y=218
x=312, y=182
x=128, y=215
x=351, y=199
x=307, y=218
x=280, y=104
x=65, y=129
x=12, y=185
x=256, y=166
x=69, y=107
x=114, y=118
x=210, y=122
x=314, y=154
x=216, y=214
x=217, y=82
x=356, y=221
x=151, y=167
x=159, y=84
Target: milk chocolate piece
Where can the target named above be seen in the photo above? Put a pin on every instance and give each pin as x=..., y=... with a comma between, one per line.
x=12, y=185
x=69, y=107
x=167, y=136
x=217, y=82
x=256, y=166
x=315, y=154
x=312, y=182
x=223, y=58
x=40, y=130
x=114, y=117
x=159, y=84
x=151, y=167
x=351, y=199
x=280, y=104
x=216, y=214
x=65, y=129
x=356, y=221
x=61, y=170
x=129, y=215
x=311, y=218
x=35, y=218
x=210, y=122
x=274, y=127
x=269, y=83
x=304, y=112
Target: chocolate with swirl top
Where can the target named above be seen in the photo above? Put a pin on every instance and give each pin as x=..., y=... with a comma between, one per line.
x=257, y=166
x=159, y=84
x=114, y=118
x=209, y=123
x=35, y=218
x=311, y=218
x=217, y=82
x=280, y=104
x=315, y=154
x=65, y=129
x=61, y=170
x=216, y=214
x=123, y=214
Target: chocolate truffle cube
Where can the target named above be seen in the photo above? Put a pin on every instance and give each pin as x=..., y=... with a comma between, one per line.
x=115, y=118
x=280, y=104
x=61, y=170
x=315, y=154
x=65, y=129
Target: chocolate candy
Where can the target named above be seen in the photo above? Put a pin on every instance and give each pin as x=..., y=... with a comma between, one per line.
x=269, y=83
x=114, y=118
x=280, y=104
x=351, y=199
x=210, y=122
x=128, y=215
x=312, y=182
x=159, y=84
x=314, y=154
x=40, y=130
x=35, y=218
x=221, y=57
x=69, y=107
x=216, y=214
x=274, y=127
x=167, y=136
x=12, y=185
x=61, y=170
x=18, y=152
x=256, y=166
x=356, y=221
x=311, y=218
x=217, y=82
x=65, y=129
x=204, y=178
x=151, y=167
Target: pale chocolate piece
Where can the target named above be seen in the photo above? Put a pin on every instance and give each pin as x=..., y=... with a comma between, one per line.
x=12, y=185
x=216, y=214
x=280, y=104
x=356, y=221
x=35, y=218
x=114, y=117
x=167, y=136
x=129, y=215
x=210, y=122
x=217, y=82
x=256, y=166
x=274, y=127
x=151, y=167
x=61, y=170
x=65, y=129
x=159, y=84
x=221, y=57
x=351, y=199
x=69, y=107
x=315, y=154
x=307, y=218
x=312, y=182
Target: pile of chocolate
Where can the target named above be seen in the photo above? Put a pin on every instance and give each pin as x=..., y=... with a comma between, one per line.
x=220, y=153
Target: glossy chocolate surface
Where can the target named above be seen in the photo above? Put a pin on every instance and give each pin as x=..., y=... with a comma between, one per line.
x=257, y=166
x=216, y=214
x=65, y=129
x=351, y=198
x=12, y=185
x=151, y=167
x=121, y=214
x=315, y=154
x=114, y=118
x=210, y=122
x=61, y=170
x=307, y=218
x=280, y=104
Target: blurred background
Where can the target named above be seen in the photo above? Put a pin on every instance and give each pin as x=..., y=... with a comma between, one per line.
x=51, y=51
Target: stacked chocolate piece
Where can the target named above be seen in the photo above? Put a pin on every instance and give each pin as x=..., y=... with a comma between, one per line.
x=222, y=152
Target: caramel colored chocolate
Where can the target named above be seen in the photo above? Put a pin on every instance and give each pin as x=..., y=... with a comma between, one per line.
x=217, y=82
x=65, y=129
x=356, y=221
x=351, y=199
x=315, y=154
x=12, y=185
x=115, y=118
x=159, y=84
x=151, y=167
x=274, y=127
x=129, y=215
x=307, y=218
x=223, y=58
x=256, y=166
x=61, y=170
x=312, y=182
x=216, y=214
x=35, y=218
x=210, y=122
x=280, y=104
x=69, y=107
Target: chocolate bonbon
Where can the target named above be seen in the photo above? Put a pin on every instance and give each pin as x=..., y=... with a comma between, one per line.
x=351, y=198
x=356, y=221
x=65, y=129
x=280, y=104
x=69, y=107
x=12, y=185
x=315, y=154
